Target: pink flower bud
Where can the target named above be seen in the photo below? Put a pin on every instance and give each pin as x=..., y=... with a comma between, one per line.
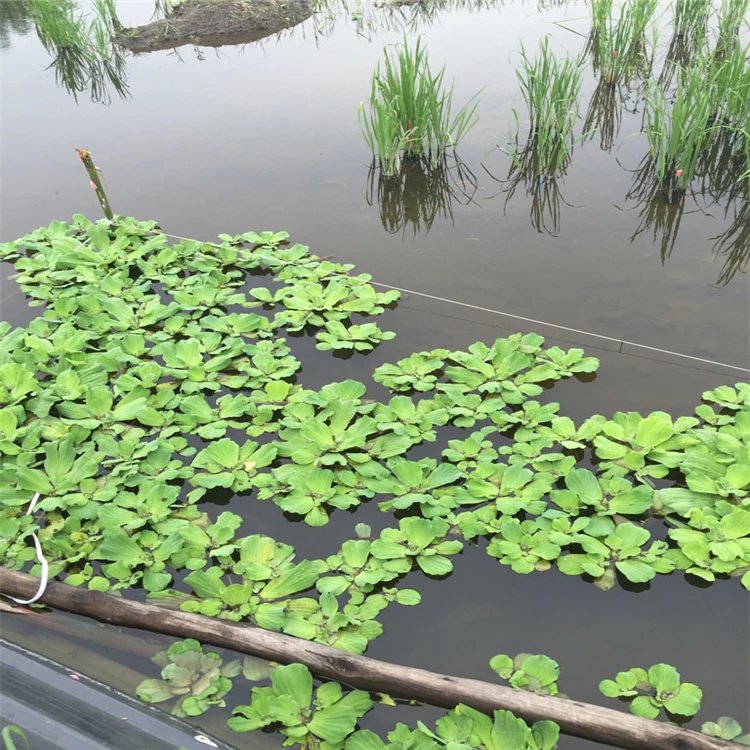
x=92, y=185
x=678, y=173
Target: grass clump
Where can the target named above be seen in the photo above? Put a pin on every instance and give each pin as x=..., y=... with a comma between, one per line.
x=731, y=17
x=689, y=35
x=550, y=88
x=410, y=110
x=701, y=130
x=619, y=46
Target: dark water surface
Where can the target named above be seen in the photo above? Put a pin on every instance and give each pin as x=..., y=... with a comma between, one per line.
x=266, y=136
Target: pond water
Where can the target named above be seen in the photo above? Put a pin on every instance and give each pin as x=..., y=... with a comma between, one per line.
x=265, y=136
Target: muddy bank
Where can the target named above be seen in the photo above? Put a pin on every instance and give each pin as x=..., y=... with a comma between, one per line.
x=213, y=23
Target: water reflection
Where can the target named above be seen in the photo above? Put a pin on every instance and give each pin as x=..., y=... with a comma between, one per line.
x=604, y=114
x=84, y=56
x=419, y=192
x=14, y=19
x=733, y=244
x=371, y=17
x=660, y=212
x=541, y=189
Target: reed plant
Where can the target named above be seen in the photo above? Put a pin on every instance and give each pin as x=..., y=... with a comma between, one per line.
x=701, y=130
x=732, y=15
x=550, y=88
x=691, y=18
x=689, y=36
x=410, y=110
x=619, y=45
x=679, y=131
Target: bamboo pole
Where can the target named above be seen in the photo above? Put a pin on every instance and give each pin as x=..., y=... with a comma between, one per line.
x=96, y=182
x=574, y=718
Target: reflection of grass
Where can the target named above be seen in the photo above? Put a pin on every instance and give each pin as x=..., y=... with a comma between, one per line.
x=84, y=54
x=419, y=192
x=604, y=114
x=373, y=16
x=734, y=243
x=689, y=36
x=410, y=110
x=542, y=191
x=657, y=214
x=14, y=18
x=661, y=215
x=550, y=89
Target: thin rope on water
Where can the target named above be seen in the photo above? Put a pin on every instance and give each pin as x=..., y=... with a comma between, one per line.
x=568, y=329
x=621, y=342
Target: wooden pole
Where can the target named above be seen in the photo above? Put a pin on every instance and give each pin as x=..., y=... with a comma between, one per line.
x=575, y=718
x=96, y=182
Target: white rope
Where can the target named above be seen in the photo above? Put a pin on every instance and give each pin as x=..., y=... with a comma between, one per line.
x=621, y=342
x=40, y=557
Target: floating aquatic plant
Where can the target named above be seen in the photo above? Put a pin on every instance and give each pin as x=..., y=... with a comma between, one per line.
x=725, y=728
x=467, y=728
x=197, y=679
x=125, y=408
x=663, y=687
x=535, y=672
x=330, y=715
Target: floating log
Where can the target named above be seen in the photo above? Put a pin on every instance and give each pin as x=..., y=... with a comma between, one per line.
x=574, y=718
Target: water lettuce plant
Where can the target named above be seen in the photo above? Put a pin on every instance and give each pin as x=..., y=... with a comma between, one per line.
x=128, y=410
x=725, y=728
x=535, y=672
x=330, y=715
x=410, y=110
x=648, y=692
x=196, y=678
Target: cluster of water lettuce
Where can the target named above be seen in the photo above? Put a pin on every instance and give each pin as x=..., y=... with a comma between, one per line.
x=153, y=375
x=525, y=481
x=328, y=716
